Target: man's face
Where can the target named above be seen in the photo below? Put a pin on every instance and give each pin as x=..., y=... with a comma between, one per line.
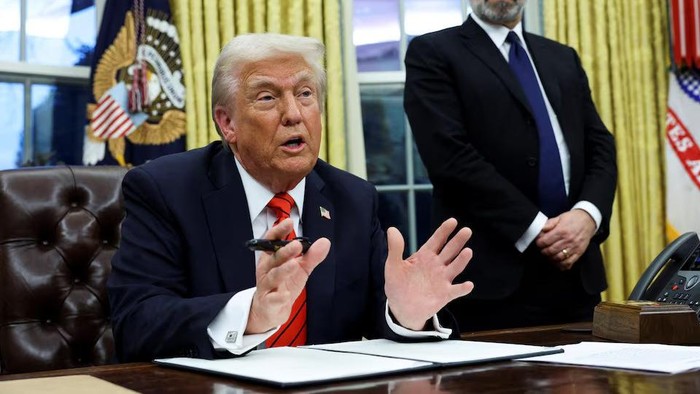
x=273, y=123
x=499, y=12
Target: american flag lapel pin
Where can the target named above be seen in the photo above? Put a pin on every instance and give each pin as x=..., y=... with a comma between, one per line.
x=325, y=213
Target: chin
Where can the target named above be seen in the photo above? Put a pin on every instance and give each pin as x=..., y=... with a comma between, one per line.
x=298, y=164
x=295, y=169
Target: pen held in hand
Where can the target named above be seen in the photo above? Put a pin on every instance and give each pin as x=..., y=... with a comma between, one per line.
x=273, y=245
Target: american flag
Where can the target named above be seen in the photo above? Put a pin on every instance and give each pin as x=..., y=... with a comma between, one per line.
x=111, y=119
x=685, y=32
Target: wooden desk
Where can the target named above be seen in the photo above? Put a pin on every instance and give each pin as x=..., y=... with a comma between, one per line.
x=501, y=377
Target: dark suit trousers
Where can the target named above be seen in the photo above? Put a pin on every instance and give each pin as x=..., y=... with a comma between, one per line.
x=545, y=296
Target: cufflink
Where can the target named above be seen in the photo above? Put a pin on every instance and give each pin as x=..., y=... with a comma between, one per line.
x=231, y=336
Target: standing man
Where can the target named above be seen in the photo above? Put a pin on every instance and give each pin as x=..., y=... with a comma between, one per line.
x=506, y=126
x=183, y=281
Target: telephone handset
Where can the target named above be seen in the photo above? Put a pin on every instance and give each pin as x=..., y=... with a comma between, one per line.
x=674, y=275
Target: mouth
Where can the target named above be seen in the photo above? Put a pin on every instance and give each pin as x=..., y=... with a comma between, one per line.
x=294, y=143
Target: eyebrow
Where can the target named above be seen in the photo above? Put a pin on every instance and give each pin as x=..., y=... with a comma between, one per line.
x=263, y=81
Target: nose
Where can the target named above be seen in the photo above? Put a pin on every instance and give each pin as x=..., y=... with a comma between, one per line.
x=291, y=111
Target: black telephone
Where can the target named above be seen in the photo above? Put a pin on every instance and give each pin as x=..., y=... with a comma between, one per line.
x=674, y=275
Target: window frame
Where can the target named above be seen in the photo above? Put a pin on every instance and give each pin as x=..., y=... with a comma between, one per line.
x=29, y=74
x=398, y=77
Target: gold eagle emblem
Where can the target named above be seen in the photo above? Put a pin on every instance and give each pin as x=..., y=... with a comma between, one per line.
x=165, y=121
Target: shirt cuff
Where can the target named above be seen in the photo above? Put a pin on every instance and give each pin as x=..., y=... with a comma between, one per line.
x=591, y=210
x=531, y=233
x=227, y=328
x=439, y=331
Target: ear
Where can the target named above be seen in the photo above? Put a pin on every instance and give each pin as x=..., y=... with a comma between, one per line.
x=225, y=123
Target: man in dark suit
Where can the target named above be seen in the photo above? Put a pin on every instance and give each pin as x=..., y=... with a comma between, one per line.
x=183, y=281
x=506, y=126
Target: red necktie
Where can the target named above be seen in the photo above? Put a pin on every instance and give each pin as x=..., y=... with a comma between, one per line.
x=293, y=331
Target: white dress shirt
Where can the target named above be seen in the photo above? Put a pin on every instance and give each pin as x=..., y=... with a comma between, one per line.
x=498, y=34
x=227, y=329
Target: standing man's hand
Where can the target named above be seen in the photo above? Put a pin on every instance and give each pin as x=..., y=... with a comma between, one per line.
x=418, y=287
x=280, y=278
x=565, y=238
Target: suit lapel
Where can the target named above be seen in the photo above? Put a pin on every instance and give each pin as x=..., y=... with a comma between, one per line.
x=321, y=284
x=227, y=213
x=480, y=44
x=546, y=70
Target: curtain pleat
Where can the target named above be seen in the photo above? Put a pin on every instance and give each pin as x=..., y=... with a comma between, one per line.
x=273, y=15
x=212, y=46
x=205, y=26
x=295, y=19
x=335, y=110
x=226, y=18
x=242, y=13
x=258, y=16
x=624, y=49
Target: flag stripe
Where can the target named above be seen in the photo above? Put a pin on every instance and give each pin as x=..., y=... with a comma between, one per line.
x=681, y=34
x=102, y=105
x=110, y=116
x=696, y=28
x=125, y=128
x=676, y=32
x=116, y=117
x=689, y=33
x=107, y=108
x=117, y=124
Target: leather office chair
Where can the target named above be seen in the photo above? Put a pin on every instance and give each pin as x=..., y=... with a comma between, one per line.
x=59, y=227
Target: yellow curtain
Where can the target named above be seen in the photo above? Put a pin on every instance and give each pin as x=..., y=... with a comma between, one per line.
x=205, y=26
x=623, y=46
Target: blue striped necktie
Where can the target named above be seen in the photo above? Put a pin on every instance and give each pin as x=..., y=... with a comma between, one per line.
x=552, y=192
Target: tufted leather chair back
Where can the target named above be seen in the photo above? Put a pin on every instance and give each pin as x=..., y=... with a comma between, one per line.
x=59, y=227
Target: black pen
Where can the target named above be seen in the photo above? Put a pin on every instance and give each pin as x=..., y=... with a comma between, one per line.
x=273, y=245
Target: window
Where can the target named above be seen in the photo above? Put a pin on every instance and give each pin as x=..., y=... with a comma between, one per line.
x=381, y=31
x=46, y=47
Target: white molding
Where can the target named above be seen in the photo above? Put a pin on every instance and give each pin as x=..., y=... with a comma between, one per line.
x=533, y=19
x=382, y=77
x=354, y=133
x=22, y=69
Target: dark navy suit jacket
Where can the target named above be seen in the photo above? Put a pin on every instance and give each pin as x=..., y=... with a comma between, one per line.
x=182, y=255
x=476, y=134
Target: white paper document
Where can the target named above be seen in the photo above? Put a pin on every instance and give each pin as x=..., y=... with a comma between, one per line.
x=644, y=357
x=441, y=352
x=288, y=366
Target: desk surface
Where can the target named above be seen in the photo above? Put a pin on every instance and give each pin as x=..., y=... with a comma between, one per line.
x=501, y=377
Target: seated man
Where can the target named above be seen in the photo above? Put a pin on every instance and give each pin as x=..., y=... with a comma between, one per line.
x=183, y=281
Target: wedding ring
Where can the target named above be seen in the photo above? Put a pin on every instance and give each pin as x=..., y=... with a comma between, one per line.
x=565, y=253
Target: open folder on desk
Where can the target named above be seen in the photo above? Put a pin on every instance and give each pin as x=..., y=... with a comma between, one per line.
x=287, y=366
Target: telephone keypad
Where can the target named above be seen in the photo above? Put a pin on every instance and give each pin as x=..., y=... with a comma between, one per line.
x=682, y=291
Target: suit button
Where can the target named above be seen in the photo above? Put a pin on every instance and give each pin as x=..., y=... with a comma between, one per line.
x=531, y=161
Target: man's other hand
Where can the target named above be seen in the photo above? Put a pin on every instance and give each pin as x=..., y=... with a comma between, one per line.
x=565, y=238
x=418, y=287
